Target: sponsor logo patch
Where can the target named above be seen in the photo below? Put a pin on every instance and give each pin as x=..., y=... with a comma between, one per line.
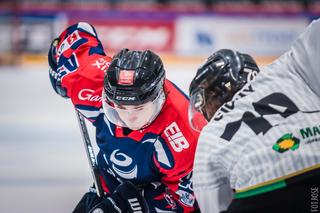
x=308, y=135
x=101, y=64
x=286, y=142
x=87, y=94
x=176, y=138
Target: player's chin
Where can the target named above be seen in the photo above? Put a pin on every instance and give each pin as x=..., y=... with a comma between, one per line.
x=136, y=126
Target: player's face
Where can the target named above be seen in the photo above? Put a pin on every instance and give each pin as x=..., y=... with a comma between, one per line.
x=195, y=112
x=212, y=104
x=136, y=117
x=133, y=116
x=202, y=107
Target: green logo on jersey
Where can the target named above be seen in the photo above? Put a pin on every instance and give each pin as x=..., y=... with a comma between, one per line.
x=286, y=142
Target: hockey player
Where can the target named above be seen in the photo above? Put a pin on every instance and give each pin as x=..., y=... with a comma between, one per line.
x=262, y=137
x=141, y=121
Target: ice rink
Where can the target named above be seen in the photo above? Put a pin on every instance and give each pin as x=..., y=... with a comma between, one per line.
x=42, y=158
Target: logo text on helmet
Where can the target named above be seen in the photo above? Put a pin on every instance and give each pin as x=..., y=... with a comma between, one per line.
x=87, y=95
x=122, y=98
x=176, y=138
x=126, y=77
x=251, y=74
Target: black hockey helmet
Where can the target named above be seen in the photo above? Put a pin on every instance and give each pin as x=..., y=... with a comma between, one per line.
x=223, y=74
x=134, y=77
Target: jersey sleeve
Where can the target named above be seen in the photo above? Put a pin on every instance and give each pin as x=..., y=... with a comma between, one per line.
x=306, y=55
x=180, y=142
x=81, y=65
x=214, y=200
x=210, y=175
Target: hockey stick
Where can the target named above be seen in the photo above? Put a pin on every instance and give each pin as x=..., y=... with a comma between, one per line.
x=90, y=154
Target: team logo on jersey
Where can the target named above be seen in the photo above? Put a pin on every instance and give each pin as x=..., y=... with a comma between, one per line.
x=185, y=191
x=123, y=165
x=286, y=142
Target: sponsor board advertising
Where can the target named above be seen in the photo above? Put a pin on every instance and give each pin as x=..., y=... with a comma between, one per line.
x=155, y=35
x=184, y=34
x=261, y=36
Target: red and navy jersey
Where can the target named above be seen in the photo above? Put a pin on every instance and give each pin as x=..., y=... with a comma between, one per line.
x=158, y=158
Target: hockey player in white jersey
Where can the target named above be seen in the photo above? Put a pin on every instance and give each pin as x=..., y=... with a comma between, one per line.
x=260, y=147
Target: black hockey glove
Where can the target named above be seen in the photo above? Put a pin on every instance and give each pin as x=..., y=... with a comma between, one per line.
x=54, y=75
x=89, y=200
x=126, y=198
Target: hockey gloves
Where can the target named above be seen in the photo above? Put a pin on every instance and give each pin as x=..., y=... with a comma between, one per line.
x=86, y=203
x=126, y=198
x=54, y=75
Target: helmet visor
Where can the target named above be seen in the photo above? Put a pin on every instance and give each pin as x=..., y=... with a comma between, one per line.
x=195, y=112
x=133, y=116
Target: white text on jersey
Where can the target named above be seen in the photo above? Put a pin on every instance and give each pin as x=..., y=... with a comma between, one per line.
x=176, y=138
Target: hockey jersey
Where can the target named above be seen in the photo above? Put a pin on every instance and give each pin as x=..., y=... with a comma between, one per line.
x=269, y=132
x=158, y=158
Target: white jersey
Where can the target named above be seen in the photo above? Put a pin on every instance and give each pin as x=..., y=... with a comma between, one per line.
x=269, y=131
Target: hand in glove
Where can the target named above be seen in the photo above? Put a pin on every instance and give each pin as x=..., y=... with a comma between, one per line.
x=126, y=198
x=86, y=203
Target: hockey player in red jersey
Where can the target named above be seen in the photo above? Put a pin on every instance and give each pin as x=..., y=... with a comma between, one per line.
x=141, y=122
